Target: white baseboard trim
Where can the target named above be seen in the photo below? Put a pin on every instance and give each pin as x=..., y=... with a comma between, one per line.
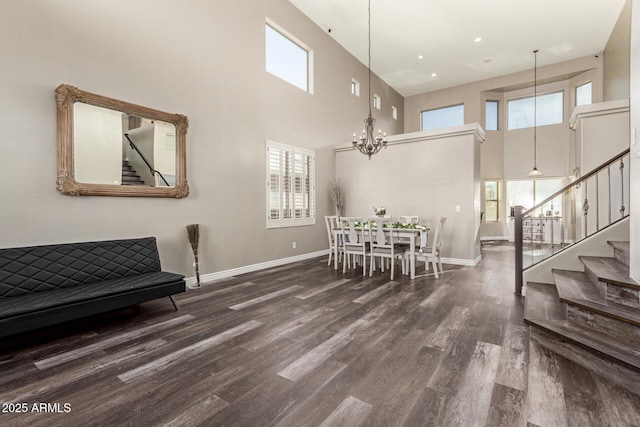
x=458, y=261
x=191, y=281
x=490, y=238
x=206, y=278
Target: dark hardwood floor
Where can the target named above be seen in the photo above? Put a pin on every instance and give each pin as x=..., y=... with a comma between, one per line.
x=304, y=345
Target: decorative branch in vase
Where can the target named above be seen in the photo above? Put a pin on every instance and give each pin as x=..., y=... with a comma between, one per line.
x=337, y=195
x=193, y=232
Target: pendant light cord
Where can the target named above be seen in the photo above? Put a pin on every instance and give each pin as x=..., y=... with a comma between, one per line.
x=535, y=108
x=369, y=99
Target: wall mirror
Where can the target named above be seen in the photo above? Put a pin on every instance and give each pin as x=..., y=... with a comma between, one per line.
x=108, y=147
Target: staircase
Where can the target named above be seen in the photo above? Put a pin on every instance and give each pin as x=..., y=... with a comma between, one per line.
x=129, y=175
x=591, y=317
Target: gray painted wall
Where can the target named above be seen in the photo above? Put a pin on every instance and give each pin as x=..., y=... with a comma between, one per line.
x=634, y=225
x=426, y=174
x=509, y=154
x=616, y=57
x=204, y=60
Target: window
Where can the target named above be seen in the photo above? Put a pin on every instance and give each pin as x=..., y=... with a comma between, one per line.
x=583, y=94
x=443, y=117
x=530, y=192
x=377, y=103
x=521, y=111
x=355, y=87
x=491, y=115
x=491, y=201
x=287, y=58
x=394, y=112
x=291, y=191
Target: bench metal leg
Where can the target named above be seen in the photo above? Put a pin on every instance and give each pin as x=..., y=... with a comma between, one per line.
x=173, y=302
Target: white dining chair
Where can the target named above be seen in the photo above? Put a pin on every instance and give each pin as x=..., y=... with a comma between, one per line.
x=383, y=245
x=353, y=242
x=335, y=244
x=409, y=219
x=431, y=253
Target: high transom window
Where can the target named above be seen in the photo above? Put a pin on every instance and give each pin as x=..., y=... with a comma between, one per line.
x=287, y=58
x=520, y=112
x=583, y=94
x=443, y=117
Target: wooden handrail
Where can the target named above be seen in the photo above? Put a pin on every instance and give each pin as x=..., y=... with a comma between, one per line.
x=577, y=182
x=519, y=214
x=144, y=159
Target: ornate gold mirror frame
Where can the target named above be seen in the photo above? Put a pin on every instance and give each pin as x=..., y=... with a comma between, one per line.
x=66, y=97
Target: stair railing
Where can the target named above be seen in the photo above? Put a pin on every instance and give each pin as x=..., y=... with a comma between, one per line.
x=144, y=159
x=582, y=208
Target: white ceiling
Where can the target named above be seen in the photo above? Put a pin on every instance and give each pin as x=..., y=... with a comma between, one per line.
x=443, y=31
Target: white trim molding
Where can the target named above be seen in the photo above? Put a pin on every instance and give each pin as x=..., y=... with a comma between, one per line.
x=494, y=238
x=465, y=262
x=254, y=267
x=206, y=278
x=469, y=129
x=599, y=109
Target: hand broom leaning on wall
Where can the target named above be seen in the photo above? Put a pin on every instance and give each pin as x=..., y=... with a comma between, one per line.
x=193, y=231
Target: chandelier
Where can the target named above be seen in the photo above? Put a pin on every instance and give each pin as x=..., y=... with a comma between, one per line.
x=368, y=143
x=535, y=171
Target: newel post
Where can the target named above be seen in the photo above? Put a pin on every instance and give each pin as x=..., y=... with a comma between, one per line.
x=517, y=237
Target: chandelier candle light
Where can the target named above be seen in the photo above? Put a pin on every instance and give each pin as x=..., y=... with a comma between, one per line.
x=368, y=143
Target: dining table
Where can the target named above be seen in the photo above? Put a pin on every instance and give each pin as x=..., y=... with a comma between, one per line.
x=412, y=235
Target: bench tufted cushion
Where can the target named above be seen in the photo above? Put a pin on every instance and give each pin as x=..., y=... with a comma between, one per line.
x=64, y=296
x=35, y=269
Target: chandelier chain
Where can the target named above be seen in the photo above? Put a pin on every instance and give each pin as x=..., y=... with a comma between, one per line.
x=368, y=143
x=369, y=39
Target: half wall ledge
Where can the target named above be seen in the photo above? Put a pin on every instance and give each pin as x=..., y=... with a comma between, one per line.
x=404, y=138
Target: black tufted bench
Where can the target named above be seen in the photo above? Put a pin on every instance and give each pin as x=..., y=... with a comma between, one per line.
x=45, y=285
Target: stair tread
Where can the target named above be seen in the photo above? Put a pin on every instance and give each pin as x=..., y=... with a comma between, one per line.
x=600, y=343
x=619, y=244
x=615, y=311
x=575, y=285
x=609, y=270
x=542, y=303
x=575, y=288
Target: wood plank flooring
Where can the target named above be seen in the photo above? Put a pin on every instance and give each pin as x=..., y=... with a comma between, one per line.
x=304, y=345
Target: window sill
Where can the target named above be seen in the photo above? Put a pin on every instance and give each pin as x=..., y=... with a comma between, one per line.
x=282, y=223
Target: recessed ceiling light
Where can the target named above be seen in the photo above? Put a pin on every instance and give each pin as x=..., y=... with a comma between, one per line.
x=434, y=74
x=420, y=56
x=478, y=39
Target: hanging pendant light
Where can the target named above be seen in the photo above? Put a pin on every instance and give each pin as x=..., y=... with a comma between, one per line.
x=535, y=171
x=368, y=143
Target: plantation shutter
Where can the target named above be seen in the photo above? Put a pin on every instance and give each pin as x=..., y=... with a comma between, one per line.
x=290, y=186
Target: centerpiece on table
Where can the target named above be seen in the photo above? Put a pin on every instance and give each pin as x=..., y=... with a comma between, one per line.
x=380, y=212
x=410, y=226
